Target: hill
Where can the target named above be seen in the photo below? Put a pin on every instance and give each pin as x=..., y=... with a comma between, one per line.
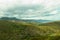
x=10, y=30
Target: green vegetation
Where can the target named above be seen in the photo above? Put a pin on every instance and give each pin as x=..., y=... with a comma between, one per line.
x=14, y=30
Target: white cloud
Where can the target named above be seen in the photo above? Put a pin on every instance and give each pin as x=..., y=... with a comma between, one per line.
x=54, y=12
x=50, y=7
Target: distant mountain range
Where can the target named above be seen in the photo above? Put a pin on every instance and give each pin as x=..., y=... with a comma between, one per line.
x=14, y=18
x=39, y=21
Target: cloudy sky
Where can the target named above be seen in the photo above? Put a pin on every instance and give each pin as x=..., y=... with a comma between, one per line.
x=30, y=9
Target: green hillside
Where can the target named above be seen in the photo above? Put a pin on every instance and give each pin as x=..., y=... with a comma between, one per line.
x=11, y=30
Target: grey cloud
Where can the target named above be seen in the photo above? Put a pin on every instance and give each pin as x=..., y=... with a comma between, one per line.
x=21, y=10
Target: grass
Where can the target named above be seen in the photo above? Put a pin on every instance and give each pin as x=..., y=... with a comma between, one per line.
x=28, y=31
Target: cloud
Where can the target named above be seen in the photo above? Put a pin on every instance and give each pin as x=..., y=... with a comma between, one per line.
x=30, y=9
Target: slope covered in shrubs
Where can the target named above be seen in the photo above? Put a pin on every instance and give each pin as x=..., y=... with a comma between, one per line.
x=10, y=30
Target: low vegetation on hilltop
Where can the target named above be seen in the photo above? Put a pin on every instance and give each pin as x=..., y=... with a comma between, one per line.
x=29, y=31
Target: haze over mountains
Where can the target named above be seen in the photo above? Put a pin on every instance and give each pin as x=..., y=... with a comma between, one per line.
x=30, y=20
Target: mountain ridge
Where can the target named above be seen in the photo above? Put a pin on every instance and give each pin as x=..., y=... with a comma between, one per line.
x=14, y=18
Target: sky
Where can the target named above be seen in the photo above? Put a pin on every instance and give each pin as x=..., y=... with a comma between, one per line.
x=30, y=9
